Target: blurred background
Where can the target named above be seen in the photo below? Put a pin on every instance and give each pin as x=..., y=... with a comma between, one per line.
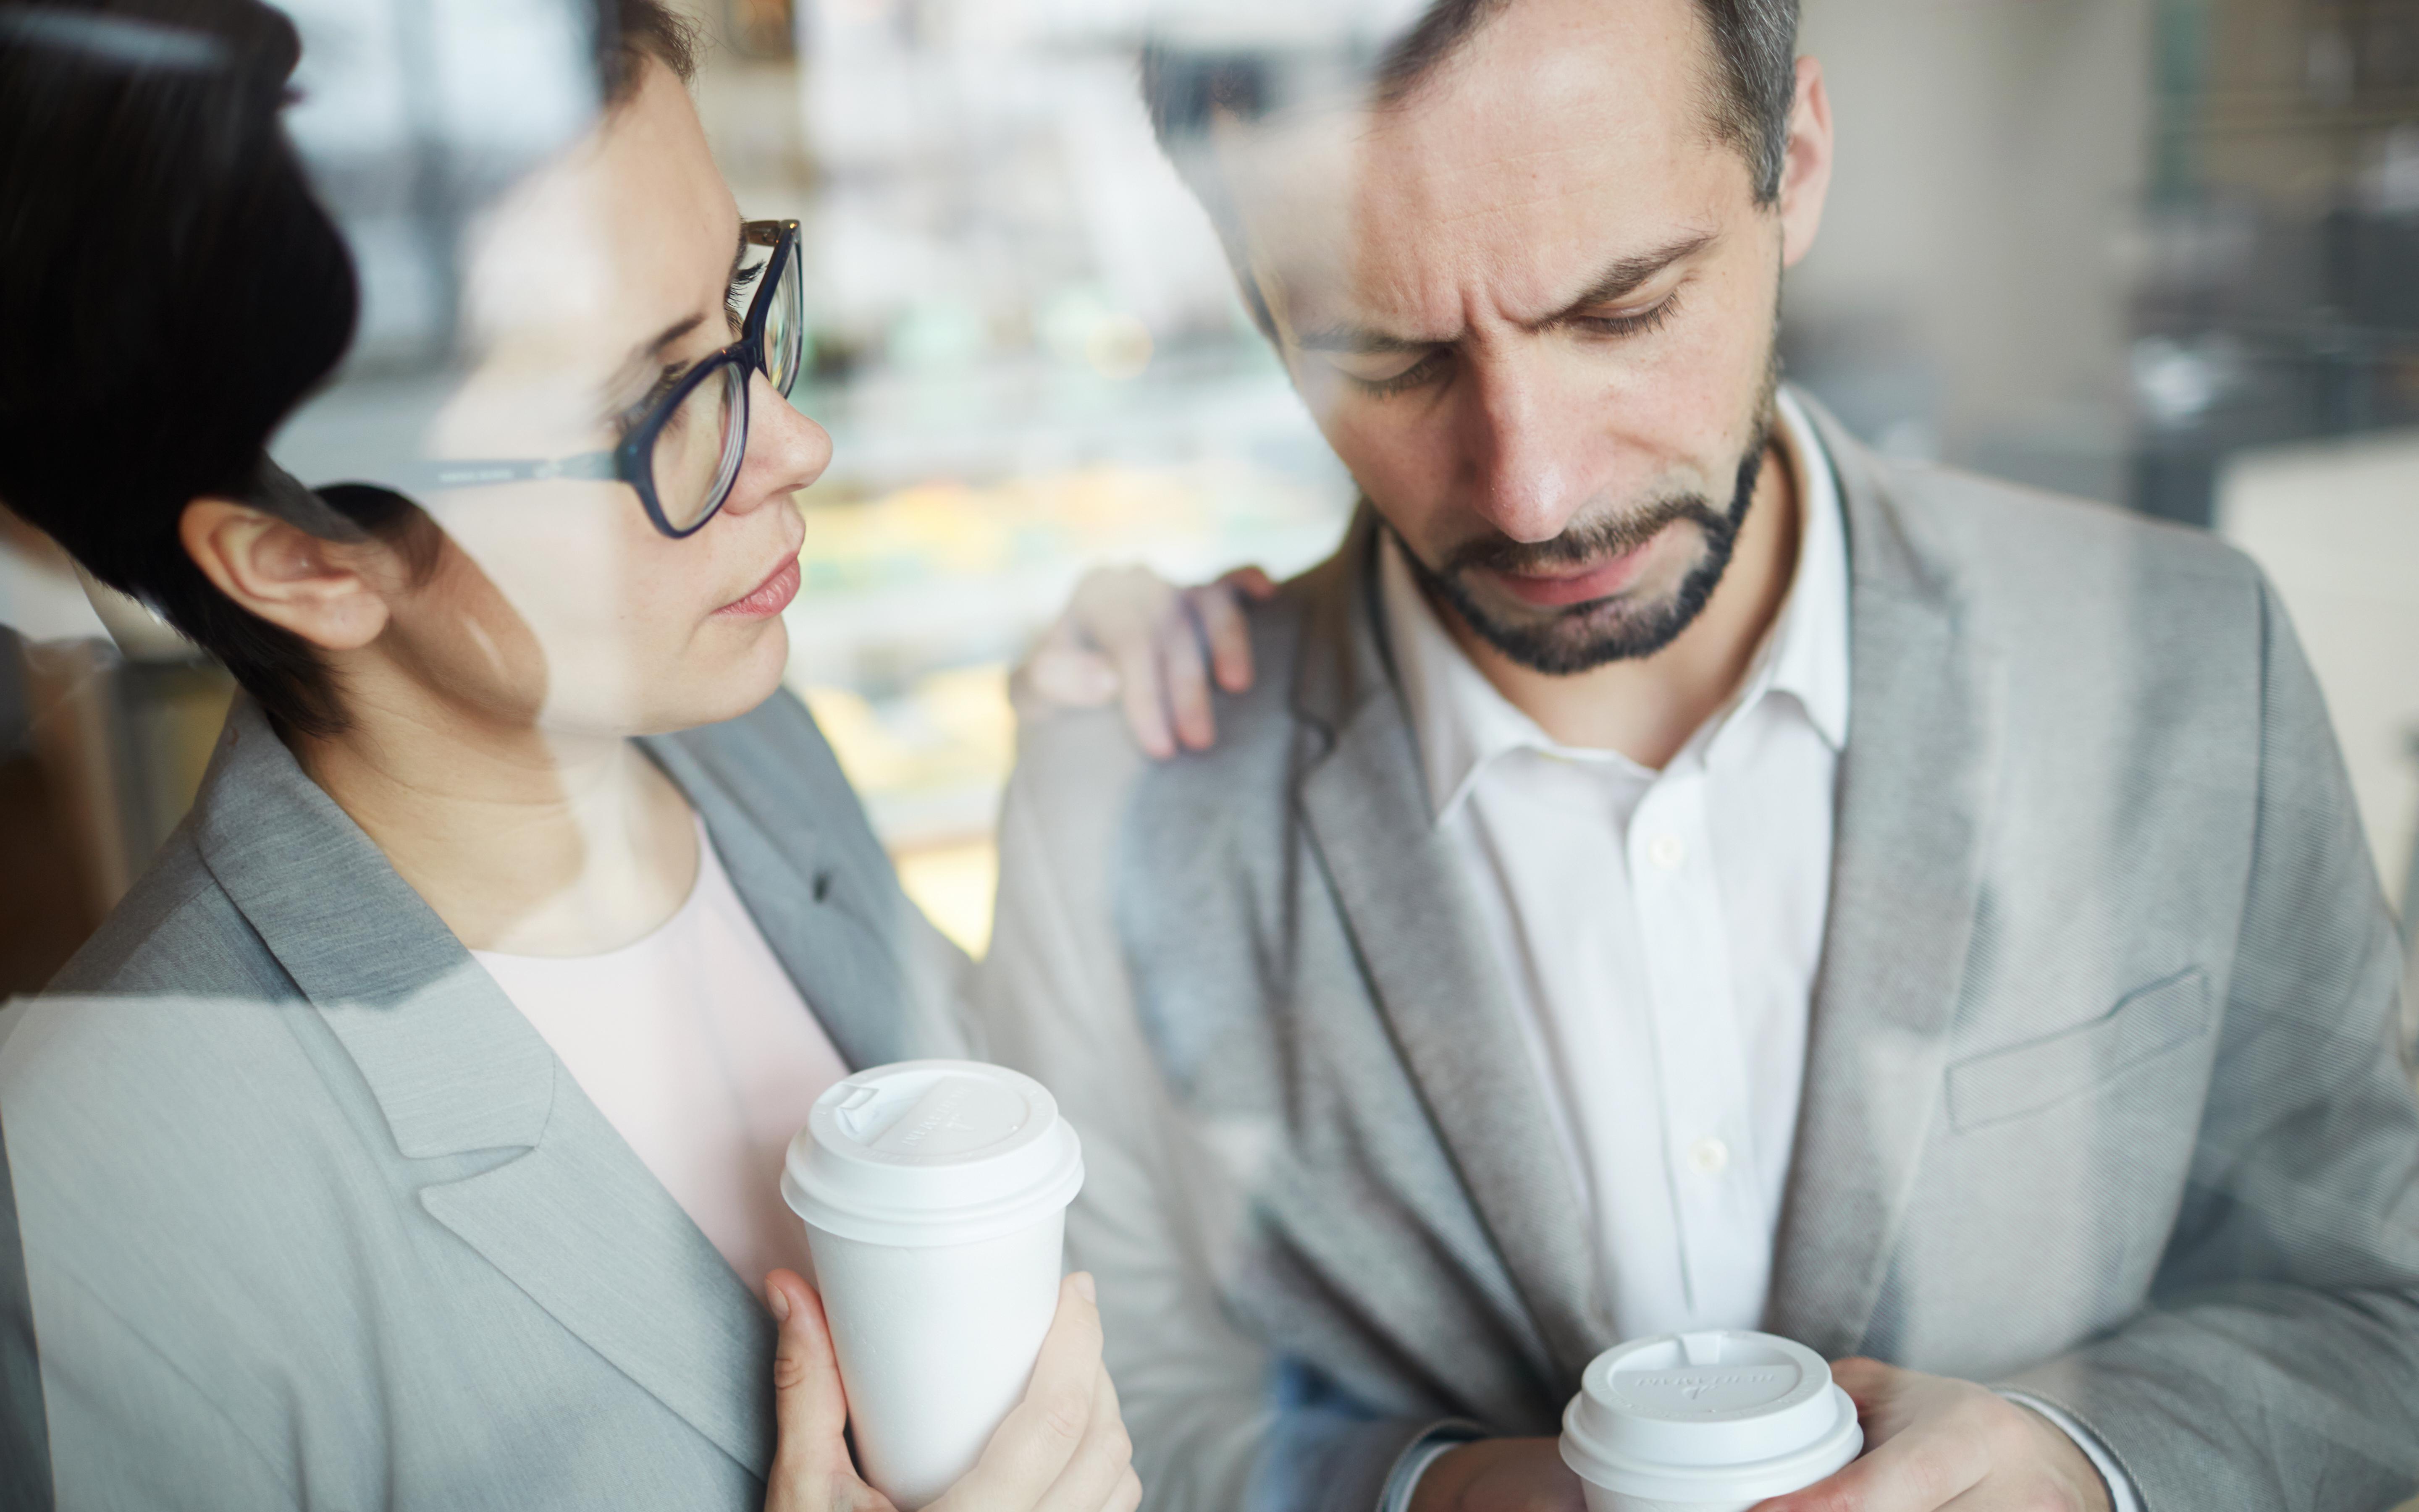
x=2158, y=252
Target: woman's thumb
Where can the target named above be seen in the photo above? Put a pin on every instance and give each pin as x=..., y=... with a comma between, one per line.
x=810, y=1411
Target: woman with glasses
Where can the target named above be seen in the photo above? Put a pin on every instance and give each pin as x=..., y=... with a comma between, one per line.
x=408, y=1136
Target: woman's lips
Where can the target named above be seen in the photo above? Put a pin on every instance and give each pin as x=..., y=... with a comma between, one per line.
x=767, y=599
x=1557, y=590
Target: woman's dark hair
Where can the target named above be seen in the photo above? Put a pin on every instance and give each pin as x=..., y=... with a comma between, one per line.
x=170, y=290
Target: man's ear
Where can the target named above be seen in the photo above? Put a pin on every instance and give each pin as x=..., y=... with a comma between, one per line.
x=320, y=590
x=1806, y=167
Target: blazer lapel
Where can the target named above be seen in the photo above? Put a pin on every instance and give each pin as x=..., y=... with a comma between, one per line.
x=577, y=1221
x=829, y=913
x=1433, y=971
x=591, y=1235
x=1906, y=873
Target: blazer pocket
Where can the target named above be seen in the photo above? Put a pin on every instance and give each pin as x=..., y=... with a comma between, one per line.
x=2146, y=1024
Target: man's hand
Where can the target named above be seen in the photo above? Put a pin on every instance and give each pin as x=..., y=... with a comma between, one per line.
x=1063, y=1449
x=1931, y=1442
x=1128, y=634
x=1499, y=1476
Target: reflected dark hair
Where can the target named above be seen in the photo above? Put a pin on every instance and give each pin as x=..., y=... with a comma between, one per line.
x=1748, y=105
x=170, y=290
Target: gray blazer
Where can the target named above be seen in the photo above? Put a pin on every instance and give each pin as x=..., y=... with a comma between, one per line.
x=311, y=1217
x=2103, y=1097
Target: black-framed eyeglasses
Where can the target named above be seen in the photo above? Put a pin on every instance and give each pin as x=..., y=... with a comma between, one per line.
x=683, y=454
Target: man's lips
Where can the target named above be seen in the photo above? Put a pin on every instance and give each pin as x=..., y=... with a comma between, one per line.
x=769, y=597
x=1555, y=590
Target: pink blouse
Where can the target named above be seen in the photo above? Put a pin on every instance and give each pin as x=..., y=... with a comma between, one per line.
x=698, y=1048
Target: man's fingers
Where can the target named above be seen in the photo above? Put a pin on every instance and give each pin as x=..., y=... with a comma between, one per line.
x=1919, y=1473
x=1226, y=632
x=810, y=1410
x=1865, y=1381
x=1032, y=1448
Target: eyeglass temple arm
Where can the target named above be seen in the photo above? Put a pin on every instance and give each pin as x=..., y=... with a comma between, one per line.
x=764, y=232
x=478, y=473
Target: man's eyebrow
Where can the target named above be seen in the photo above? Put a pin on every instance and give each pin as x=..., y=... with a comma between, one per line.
x=1623, y=275
x=1618, y=278
x=1343, y=336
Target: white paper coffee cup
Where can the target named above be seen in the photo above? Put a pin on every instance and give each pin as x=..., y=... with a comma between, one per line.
x=934, y=1194
x=1711, y=1422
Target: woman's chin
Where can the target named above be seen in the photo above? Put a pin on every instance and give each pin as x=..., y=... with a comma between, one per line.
x=726, y=691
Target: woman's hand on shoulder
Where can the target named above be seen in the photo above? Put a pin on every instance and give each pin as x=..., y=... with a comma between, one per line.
x=1063, y=1449
x=1130, y=635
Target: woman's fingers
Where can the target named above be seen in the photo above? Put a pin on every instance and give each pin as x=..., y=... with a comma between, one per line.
x=1226, y=630
x=811, y=1470
x=1033, y=1446
x=1127, y=634
x=1095, y=1473
x=1185, y=676
x=1138, y=694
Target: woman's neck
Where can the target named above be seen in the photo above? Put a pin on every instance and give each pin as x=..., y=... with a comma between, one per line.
x=522, y=841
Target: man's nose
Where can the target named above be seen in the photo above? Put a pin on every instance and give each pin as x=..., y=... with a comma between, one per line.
x=1526, y=448
x=786, y=450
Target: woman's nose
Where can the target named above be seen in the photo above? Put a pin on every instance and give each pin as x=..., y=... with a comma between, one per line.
x=786, y=450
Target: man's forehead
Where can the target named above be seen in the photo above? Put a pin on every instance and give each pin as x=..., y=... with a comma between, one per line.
x=1565, y=134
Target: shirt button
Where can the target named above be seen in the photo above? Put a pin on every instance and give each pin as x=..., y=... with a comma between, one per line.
x=1709, y=1156
x=1667, y=852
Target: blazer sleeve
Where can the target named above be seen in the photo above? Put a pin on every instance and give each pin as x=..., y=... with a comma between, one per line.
x=1219, y=1422
x=24, y=1427
x=2278, y=1365
x=99, y=1375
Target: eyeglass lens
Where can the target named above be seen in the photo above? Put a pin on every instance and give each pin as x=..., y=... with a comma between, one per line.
x=785, y=327
x=697, y=451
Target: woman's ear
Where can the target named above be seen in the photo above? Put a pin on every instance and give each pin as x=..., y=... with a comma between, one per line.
x=323, y=591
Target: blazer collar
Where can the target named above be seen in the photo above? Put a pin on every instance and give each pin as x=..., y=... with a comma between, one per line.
x=824, y=896
x=1915, y=788
x=1915, y=779
x=575, y=1219
x=452, y=1064
x=1432, y=970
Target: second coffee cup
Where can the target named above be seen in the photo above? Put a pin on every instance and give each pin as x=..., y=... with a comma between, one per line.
x=934, y=1194
x=1710, y=1421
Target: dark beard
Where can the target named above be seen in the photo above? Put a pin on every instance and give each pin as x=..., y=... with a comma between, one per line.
x=1564, y=642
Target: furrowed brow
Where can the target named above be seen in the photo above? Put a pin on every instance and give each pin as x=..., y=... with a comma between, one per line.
x=1357, y=340
x=1616, y=280
x=1623, y=275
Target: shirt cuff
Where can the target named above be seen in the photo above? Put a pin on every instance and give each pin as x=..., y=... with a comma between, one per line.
x=1426, y=1450
x=2121, y=1496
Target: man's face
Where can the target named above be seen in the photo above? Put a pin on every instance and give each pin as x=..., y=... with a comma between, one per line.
x=1533, y=307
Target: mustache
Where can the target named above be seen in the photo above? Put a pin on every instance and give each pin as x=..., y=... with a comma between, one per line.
x=1586, y=542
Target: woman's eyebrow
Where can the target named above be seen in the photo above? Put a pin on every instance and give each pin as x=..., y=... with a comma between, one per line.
x=644, y=353
x=666, y=337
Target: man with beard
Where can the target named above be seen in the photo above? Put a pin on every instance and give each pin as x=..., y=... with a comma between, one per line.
x=1676, y=870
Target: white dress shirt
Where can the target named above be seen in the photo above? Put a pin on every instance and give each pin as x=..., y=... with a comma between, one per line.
x=1659, y=930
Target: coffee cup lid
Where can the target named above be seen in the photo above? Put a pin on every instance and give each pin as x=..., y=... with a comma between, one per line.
x=927, y=1152
x=1721, y=1416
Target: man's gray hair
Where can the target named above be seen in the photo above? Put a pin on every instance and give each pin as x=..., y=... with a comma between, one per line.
x=1755, y=87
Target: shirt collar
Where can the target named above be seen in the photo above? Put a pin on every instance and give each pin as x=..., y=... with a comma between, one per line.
x=1461, y=723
